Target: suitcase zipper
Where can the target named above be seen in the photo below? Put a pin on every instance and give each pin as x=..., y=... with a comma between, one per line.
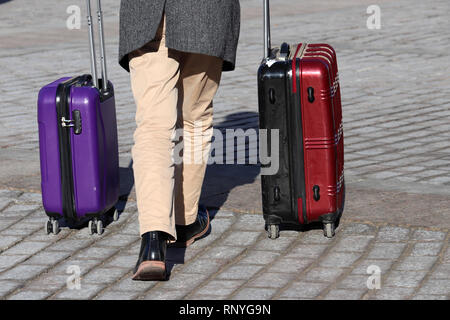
x=63, y=111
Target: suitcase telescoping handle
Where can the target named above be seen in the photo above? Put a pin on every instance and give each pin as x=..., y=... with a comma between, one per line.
x=267, y=43
x=92, y=46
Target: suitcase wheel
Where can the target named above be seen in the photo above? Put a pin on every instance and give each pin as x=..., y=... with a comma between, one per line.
x=95, y=226
x=52, y=226
x=328, y=229
x=273, y=231
x=116, y=215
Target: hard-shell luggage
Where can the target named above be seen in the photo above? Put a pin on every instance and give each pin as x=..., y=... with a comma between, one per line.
x=78, y=146
x=299, y=95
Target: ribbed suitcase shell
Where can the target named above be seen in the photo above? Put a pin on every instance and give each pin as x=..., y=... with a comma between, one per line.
x=93, y=171
x=311, y=134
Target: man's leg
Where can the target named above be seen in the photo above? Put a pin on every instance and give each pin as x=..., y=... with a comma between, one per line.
x=154, y=76
x=199, y=81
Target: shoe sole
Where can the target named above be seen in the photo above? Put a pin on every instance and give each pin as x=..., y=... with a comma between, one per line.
x=191, y=240
x=150, y=270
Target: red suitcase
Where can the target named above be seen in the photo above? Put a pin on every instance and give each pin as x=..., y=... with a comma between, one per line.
x=299, y=96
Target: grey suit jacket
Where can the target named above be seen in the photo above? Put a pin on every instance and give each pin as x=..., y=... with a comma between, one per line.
x=209, y=27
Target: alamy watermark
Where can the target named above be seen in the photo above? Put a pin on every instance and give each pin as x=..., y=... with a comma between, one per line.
x=374, y=280
x=374, y=20
x=74, y=19
x=73, y=281
x=207, y=145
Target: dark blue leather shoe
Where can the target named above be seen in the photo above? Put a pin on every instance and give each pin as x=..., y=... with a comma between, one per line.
x=186, y=235
x=151, y=264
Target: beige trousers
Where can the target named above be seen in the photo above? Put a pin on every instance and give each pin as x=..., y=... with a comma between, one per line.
x=173, y=92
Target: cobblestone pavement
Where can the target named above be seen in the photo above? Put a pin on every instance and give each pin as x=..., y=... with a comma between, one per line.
x=235, y=261
x=395, y=85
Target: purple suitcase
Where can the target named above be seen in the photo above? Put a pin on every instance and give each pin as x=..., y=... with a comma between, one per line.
x=79, y=147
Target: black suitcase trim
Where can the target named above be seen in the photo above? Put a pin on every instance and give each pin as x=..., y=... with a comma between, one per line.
x=65, y=152
x=276, y=97
x=297, y=145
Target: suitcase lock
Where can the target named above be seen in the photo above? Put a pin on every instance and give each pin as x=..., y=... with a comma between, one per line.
x=66, y=123
x=75, y=123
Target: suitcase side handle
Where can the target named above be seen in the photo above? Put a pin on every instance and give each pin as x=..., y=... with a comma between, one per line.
x=267, y=44
x=92, y=46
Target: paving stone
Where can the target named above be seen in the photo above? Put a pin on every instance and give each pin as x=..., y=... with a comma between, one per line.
x=70, y=245
x=104, y=275
x=342, y=294
x=25, y=248
x=429, y=297
x=339, y=259
x=10, y=194
x=117, y=240
x=316, y=237
x=272, y=280
x=323, y=274
x=127, y=284
x=306, y=251
x=442, y=271
x=280, y=244
x=220, y=287
x=358, y=228
x=241, y=238
x=437, y=287
x=20, y=207
x=22, y=272
x=446, y=256
x=30, y=197
x=239, y=271
x=87, y=291
x=122, y=261
x=7, y=241
x=260, y=257
x=416, y=263
x=250, y=222
x=223, y=252
x=117, y=295
x=254, y=294
x=352, y=244
x=95, y=253
x=303, y=290
x=388, y=293
x=427, y=235
x=288, y=265
x=48, y=280
x=386, y=250
x=223, y=214
x=7, y=286
x=357, y=282
x=392, y=234
x=409, y=279
x=182, y=281
x=203, y=266
x=166, y=295
x=30, y=295
x=47, y=258
x=426, y=249
x=4, y=203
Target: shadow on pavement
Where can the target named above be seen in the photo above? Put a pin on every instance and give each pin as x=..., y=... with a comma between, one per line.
x=4, y=1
